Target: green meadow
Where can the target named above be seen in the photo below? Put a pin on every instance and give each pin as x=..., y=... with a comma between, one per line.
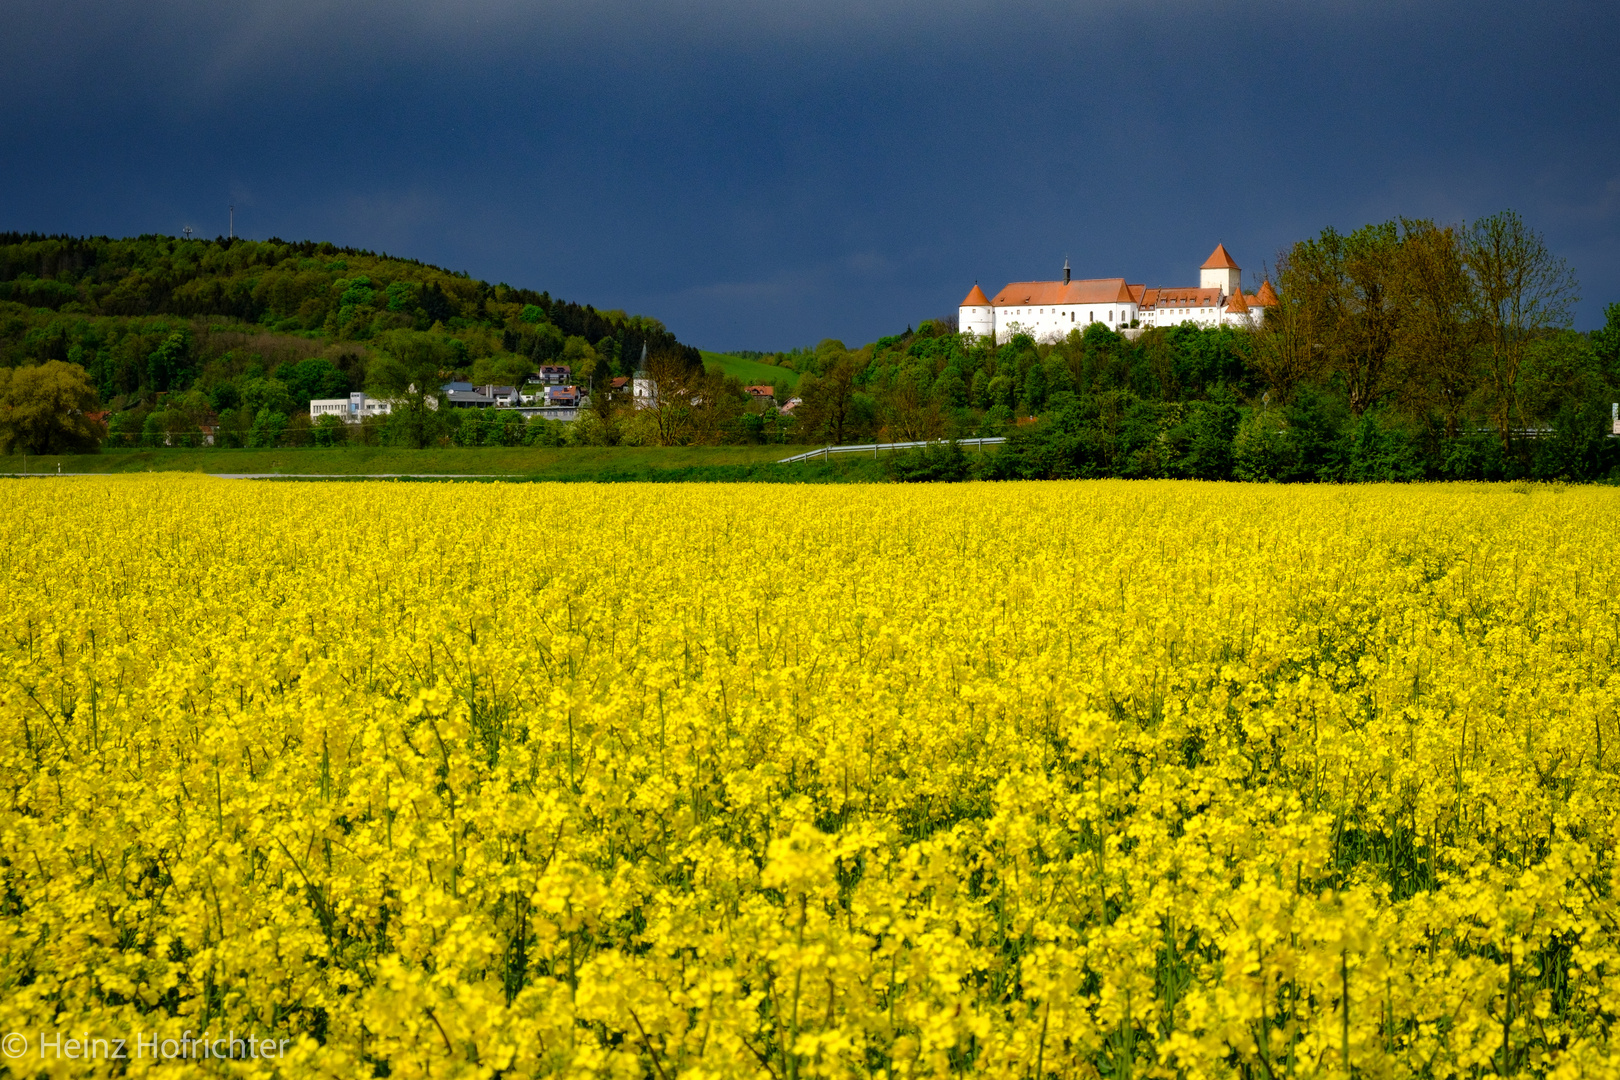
x=752, y=372
x=582, y=463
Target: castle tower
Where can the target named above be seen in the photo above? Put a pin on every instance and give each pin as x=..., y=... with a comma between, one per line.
x=1221, y=271
x=976, y=314
x=1237, y=309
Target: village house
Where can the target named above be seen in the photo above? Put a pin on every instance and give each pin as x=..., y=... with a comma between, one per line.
x=502, y=396
x=534, y=387
x=463, y=395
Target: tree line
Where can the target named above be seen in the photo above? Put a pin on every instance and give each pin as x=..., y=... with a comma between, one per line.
x=1402, y=350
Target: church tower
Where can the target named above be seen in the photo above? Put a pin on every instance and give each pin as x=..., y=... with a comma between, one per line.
x=1221, y=271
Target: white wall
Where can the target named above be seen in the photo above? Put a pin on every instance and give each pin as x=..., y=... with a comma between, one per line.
x=980, y=320
x=1054, y=323
x=1175, y=316
x=1228, y=280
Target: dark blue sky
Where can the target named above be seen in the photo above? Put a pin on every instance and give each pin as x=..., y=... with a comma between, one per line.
x=763, y=175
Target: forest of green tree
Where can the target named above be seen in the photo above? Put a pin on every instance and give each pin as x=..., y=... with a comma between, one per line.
x=1404, y=350
x=181, y=335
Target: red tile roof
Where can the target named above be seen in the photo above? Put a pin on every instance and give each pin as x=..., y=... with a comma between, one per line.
x=761, y=391
x=1237, y=305
x=1056, y=293
x=976, y=298
x=1267, y=297
x=1219, y=259
x=1181, y=298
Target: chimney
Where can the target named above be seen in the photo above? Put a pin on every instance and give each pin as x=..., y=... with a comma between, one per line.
x=1065, y=271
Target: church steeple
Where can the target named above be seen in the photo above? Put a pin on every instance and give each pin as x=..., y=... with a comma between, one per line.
x=1065, y=271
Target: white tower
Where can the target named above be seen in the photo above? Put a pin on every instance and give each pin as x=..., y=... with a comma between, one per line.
x=976, y=314
x=1221, y=271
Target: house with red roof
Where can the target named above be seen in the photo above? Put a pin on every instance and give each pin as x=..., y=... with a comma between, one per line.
x=1048, y=310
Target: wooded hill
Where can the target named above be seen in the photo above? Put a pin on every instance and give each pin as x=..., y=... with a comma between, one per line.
x=154, y=315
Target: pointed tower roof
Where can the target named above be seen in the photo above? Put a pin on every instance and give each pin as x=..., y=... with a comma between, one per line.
x=1220, y=259
x=976, y=298
x=1237, y=305
x=1267, y=297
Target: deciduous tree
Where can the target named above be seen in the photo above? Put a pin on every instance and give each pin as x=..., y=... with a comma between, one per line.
x=668, y=402
x=1606, y=343
x=410, y=369
x=1434, y=340
x=828, y=401
x=45, y=409
x=1520, y=292
x=1347, y=292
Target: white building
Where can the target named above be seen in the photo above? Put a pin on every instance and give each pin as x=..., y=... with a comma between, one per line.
x=1048, y=310
x=503, y=396
x=351, y=410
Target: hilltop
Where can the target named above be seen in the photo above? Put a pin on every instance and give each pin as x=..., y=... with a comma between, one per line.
x=160, y=316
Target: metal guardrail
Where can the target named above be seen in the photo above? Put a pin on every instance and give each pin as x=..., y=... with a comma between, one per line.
x=873, y=448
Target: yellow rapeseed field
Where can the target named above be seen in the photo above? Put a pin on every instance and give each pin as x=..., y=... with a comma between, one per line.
x=1064, y=779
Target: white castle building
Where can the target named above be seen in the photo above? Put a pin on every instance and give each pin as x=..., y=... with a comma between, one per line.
x=1048, y=310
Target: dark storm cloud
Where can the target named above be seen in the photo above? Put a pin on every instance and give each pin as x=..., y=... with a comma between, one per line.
x=761, y=175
